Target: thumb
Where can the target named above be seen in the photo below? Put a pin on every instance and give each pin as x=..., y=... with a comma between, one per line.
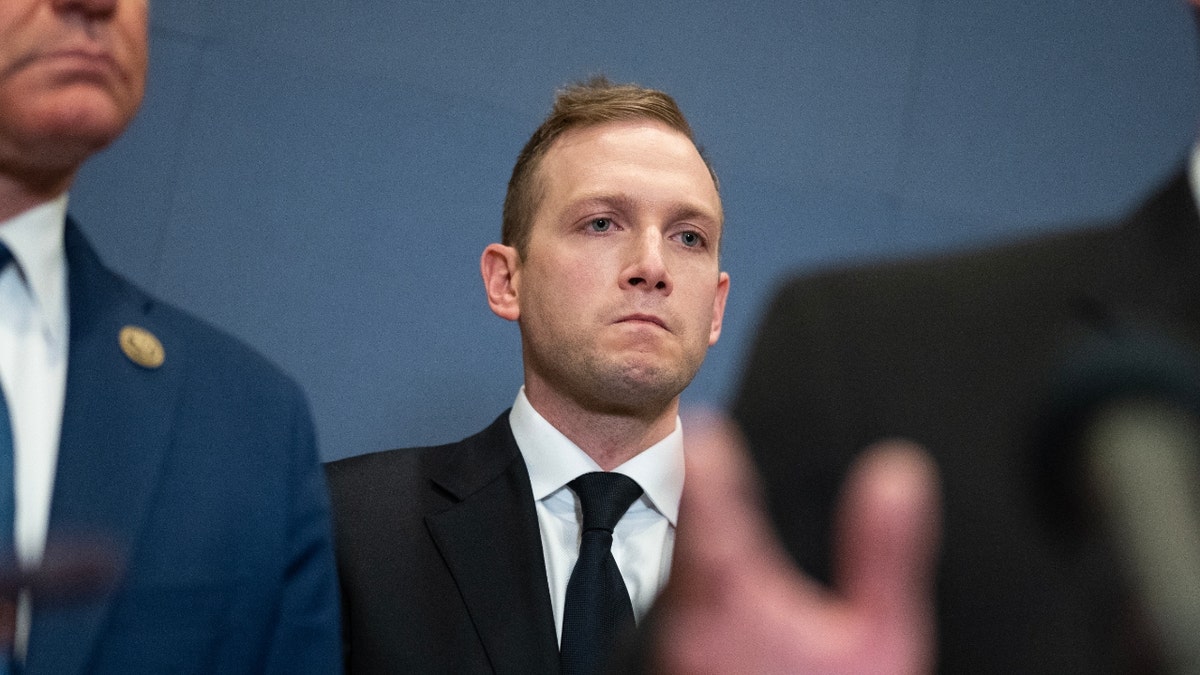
x=887, y=539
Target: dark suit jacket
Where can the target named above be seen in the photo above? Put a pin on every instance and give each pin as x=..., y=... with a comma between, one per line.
x=203, y=476
x=957, y=352
x=440, y=560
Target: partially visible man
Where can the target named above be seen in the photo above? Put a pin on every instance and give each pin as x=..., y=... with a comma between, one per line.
x=961, y=353
x=510, y=551
x=126, y=424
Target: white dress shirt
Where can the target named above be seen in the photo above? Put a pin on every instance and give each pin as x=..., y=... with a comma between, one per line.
x=645, y=536
x=33, y=370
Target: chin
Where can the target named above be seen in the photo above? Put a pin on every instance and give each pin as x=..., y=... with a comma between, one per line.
x=643, y=387
x=68, y=146
x=65, y=151
x=90, y=114
x=93, y=128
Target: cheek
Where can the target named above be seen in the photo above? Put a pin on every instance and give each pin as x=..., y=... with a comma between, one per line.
x=24, y=104
x=700, y=308
x=135, y=58
x=11, y=81
x=14, y=25
x=576, y=274
x=583, y=278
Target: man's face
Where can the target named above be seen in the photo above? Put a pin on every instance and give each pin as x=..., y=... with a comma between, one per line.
x=619, y=289
x=72, y=73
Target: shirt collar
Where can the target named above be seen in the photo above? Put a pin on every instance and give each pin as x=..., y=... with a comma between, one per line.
x=553, y=460
x=35, y=238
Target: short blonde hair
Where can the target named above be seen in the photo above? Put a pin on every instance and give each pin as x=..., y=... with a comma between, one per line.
x=579, y=105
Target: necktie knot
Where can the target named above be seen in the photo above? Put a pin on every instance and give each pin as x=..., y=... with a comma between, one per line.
x=604, y=497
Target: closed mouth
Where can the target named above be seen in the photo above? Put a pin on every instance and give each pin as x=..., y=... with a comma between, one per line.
x=82, y=60
x=644, y=318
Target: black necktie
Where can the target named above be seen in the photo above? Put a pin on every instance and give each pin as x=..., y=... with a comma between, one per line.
x=597, y=607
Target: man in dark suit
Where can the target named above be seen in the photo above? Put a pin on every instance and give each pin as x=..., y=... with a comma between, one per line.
x=961, y=353
x=462, y=558
x=458, y=558
x=170, y=511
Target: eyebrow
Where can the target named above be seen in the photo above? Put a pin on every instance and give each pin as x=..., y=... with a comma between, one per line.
x=620, y=202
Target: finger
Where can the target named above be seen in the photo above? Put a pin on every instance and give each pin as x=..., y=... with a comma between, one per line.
x=72, y=569
x=887, y=540
x=722, y=521
x=733, y=603
x=720, y=494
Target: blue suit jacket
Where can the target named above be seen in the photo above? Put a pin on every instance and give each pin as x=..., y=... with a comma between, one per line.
x=203, y=476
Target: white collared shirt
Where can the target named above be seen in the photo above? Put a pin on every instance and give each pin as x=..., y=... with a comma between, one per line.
x=645, y=536
x=33, y=361
x=33, y=371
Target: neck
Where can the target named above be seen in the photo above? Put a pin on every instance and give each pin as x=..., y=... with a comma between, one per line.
x=18, y=195
x=610, y=438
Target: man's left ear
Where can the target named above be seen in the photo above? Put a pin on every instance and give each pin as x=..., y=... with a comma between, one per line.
x=719, y=308
x=500, y=268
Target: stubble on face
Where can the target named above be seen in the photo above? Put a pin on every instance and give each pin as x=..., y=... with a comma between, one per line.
x=625, y=381
x=576, y=292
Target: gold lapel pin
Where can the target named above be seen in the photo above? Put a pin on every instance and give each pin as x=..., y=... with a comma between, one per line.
x=141, y=347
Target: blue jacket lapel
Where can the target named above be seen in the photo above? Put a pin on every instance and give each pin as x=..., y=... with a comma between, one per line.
x=115, y=430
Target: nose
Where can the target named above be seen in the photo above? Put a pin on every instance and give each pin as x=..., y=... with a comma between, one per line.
x=646, y=268
x=89, y=8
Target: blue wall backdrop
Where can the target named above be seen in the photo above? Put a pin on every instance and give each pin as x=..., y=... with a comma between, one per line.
x=320, y=177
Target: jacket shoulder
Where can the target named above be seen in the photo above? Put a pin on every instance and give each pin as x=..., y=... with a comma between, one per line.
x=455, y=467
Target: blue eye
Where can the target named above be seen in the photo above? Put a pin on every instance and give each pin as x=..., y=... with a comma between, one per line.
x=690, y=239
x=600, y=225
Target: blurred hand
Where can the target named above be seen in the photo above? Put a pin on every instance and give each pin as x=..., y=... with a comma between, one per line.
x=737, y=604
x=73, y=569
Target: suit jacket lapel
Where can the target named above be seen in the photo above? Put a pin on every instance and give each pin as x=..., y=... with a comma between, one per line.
x=115, y=430
x=492, y=546
x=1161, y=244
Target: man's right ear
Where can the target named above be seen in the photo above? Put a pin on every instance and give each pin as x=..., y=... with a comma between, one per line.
x=500, y=266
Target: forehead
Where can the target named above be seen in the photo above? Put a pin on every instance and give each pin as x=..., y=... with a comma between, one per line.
x=639, y=161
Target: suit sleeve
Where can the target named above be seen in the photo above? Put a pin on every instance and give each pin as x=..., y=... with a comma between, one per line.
x=307, y=634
